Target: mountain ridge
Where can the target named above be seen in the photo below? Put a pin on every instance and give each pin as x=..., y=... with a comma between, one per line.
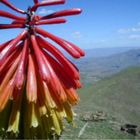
x=94, y=69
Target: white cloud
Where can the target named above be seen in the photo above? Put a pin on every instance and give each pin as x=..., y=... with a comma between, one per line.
x=102, y=40
x=136, y=28
x=129, y=30
x=134, y=37
x=138, y=23
x=43, y=11
x=77, y=34
x=122, y=31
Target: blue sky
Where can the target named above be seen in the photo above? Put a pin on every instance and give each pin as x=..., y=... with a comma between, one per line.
x=103, y=23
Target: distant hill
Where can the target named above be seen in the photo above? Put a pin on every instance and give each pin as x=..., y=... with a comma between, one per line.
x=93, y=69
x=118, y=96
x=104, y=52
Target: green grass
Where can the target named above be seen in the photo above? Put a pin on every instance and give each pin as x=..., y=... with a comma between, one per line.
x=94, y=130
x=119, y=97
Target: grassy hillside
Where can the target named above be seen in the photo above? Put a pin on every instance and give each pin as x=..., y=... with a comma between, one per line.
x=117, y=96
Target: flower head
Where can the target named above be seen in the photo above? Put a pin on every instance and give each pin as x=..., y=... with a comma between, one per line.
x=37, y=82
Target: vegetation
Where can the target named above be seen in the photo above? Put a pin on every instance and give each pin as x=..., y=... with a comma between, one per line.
x=117, y=96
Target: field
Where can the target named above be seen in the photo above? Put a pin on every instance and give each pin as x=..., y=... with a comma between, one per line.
x=117, y=97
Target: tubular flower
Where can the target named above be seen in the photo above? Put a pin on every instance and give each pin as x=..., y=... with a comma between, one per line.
x=37, y=82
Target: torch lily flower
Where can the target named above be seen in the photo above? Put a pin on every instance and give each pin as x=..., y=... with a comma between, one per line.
x=37, y=81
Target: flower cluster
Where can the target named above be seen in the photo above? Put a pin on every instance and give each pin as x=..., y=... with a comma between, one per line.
x=37, y=82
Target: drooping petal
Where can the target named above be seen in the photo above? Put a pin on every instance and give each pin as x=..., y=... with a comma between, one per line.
x=41, y=100
x=82, y=53
x=56, y=124
x=9, y=15
x=18, y=22
x=68, y=112
x=15, y=115
x=20, y=74
x=31, y=85
x=6, y=93
x=10, y=26
x=47, y=95
x=33, y=113
x=69, y=12
x=42, y=65
x=51, y=21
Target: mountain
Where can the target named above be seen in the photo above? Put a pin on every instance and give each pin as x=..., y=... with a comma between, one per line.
x=103, y=52
x=96, y=68
x=118, y=97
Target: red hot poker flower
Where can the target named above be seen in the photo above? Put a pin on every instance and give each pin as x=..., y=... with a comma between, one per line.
x=37, y=82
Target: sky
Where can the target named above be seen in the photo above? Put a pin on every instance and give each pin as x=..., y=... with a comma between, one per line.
x=103, y=23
